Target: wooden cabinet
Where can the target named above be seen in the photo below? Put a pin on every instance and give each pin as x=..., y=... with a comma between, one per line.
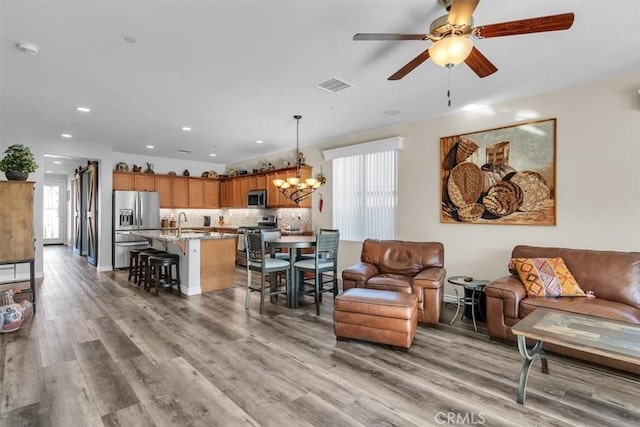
x=211, y=193
x=257, y=182
x=16, y=227
x=144, y=182
x=164, y=186
x=226, y=191
x=196, y=193
x=123, y=181
x=133, y=181
x=180, y=189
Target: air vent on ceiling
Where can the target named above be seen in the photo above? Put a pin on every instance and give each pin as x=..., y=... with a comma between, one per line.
x=334, y=85
x=183, y=151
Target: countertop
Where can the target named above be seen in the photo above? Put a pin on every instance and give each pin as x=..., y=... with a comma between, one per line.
x=171, y=235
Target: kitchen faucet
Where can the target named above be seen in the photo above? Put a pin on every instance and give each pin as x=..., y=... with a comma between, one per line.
x=180, y=222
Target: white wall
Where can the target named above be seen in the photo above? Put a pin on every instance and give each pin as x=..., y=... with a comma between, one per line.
x=597, y=161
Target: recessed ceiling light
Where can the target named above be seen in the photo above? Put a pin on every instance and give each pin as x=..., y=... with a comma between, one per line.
x=83, y=109
x=212, y=154
x=259, y=141
x=66, y=135
x=48, y=171
x=186, y=128
x=150, y=147
x=57, y=162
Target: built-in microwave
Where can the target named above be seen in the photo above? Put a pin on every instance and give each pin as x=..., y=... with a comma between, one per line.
x=257, y=199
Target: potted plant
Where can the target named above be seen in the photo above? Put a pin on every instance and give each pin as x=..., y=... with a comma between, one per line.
x=18, y=163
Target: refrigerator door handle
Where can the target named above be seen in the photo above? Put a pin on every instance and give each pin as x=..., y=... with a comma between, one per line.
x=141, y=215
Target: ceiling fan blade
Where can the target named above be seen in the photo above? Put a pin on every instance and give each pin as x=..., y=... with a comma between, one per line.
x=526, y=26
x=410, y=66
x=389, y=36
x=461, y=11
x=480, y=64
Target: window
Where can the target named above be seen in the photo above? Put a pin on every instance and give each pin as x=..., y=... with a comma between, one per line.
x=365, y=186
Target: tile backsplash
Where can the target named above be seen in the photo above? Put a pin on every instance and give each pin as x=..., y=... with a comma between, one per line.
x=295, y=218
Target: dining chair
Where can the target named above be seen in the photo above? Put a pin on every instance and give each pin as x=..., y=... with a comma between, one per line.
x=274, y=234
x=322, y=231
x=258, y=260
x=324, y=261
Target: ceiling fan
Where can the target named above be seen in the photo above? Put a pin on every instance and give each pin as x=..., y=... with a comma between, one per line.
x=451, y=37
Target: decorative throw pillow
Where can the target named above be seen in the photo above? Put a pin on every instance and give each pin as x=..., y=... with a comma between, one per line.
x=546, y=277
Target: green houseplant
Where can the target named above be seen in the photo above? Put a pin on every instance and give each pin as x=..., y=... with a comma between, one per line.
x=18, y=163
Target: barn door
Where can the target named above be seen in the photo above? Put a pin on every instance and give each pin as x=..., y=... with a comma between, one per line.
x=77, y=214
x=92, y=213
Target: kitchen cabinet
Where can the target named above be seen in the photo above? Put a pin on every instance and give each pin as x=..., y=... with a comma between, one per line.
x=196, y=193
x=211, y=193
x=127, y=181
x=226, y=191
x=164, y=187
x=257, y=182
x=123, y=181
x=180, y=189
x=144, y=182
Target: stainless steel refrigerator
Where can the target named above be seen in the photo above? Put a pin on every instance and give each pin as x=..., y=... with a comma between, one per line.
x=132, y=210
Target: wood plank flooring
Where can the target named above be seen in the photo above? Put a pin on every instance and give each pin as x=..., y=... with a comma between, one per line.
x=100, y=351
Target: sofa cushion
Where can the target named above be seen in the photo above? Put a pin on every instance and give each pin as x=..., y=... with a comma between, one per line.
x=546, y=277
x=390, y=282
x=610, y=275
x=400, y=257
x=589, y=306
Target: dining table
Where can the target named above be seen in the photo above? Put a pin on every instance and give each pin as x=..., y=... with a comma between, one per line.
x=295, y=244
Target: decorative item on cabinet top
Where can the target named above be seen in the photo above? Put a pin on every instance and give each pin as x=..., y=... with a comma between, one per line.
x=122, y=167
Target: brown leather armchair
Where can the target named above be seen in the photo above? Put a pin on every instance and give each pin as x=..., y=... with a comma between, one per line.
x=409, y=267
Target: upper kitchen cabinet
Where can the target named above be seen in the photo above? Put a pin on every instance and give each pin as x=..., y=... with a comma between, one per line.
x=164, y=186
x=211, y=193
x=180, y=188
x=123, y=181
x=128, y=181
x=257, y=182
x=144, y=182
x=196, y=193
x=226, y=192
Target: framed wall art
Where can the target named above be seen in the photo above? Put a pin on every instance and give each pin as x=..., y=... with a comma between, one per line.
x=505, y=175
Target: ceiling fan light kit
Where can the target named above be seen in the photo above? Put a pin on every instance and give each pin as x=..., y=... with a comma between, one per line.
x=451, y=36
x=450, y=51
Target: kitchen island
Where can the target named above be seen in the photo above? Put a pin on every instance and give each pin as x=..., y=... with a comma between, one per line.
x=207, y=259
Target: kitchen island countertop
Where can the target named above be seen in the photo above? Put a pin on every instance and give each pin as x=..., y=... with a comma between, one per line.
x=173, y=235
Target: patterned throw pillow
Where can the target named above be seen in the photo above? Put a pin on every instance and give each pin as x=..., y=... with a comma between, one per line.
x=546, y=277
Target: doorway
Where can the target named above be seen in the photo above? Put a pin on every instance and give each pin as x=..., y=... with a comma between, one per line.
x=54, y=212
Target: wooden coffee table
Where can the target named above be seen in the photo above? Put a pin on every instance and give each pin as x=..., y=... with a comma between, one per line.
x=596, y=335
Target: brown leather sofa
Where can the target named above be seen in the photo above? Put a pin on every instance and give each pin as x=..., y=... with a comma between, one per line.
x=614, y=278
x=409, y=267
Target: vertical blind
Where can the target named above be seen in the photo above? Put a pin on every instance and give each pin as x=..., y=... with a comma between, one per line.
x=365, y=195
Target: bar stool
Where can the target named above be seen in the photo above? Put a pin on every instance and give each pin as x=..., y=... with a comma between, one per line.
x=134, y=265
x=144, y=273
x=161, y=265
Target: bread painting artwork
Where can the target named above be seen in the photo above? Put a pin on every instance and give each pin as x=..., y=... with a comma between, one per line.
x=500, y=176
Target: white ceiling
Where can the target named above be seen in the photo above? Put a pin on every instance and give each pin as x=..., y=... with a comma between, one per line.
x=237, y=70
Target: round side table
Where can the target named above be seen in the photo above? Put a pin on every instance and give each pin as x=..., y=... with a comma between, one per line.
x=476, y=287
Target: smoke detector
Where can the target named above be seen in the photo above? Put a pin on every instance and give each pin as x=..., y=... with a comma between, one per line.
x=27, y=47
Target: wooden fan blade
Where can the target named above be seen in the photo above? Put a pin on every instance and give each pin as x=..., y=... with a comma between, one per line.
x=410, y=66
x=461, y=11
x=388, y=36
x=526, y=26
x=480, y=64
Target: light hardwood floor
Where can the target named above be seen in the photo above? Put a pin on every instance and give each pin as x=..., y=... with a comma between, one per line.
x=102, y=352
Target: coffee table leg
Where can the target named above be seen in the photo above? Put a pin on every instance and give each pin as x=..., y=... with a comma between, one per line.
x=473, y=309
x=528, y=356
x=457, y=306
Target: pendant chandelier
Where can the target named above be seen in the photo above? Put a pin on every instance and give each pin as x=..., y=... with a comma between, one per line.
x=294, y=188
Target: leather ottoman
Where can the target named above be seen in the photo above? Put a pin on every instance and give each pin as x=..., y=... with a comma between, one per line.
x=383, y=317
